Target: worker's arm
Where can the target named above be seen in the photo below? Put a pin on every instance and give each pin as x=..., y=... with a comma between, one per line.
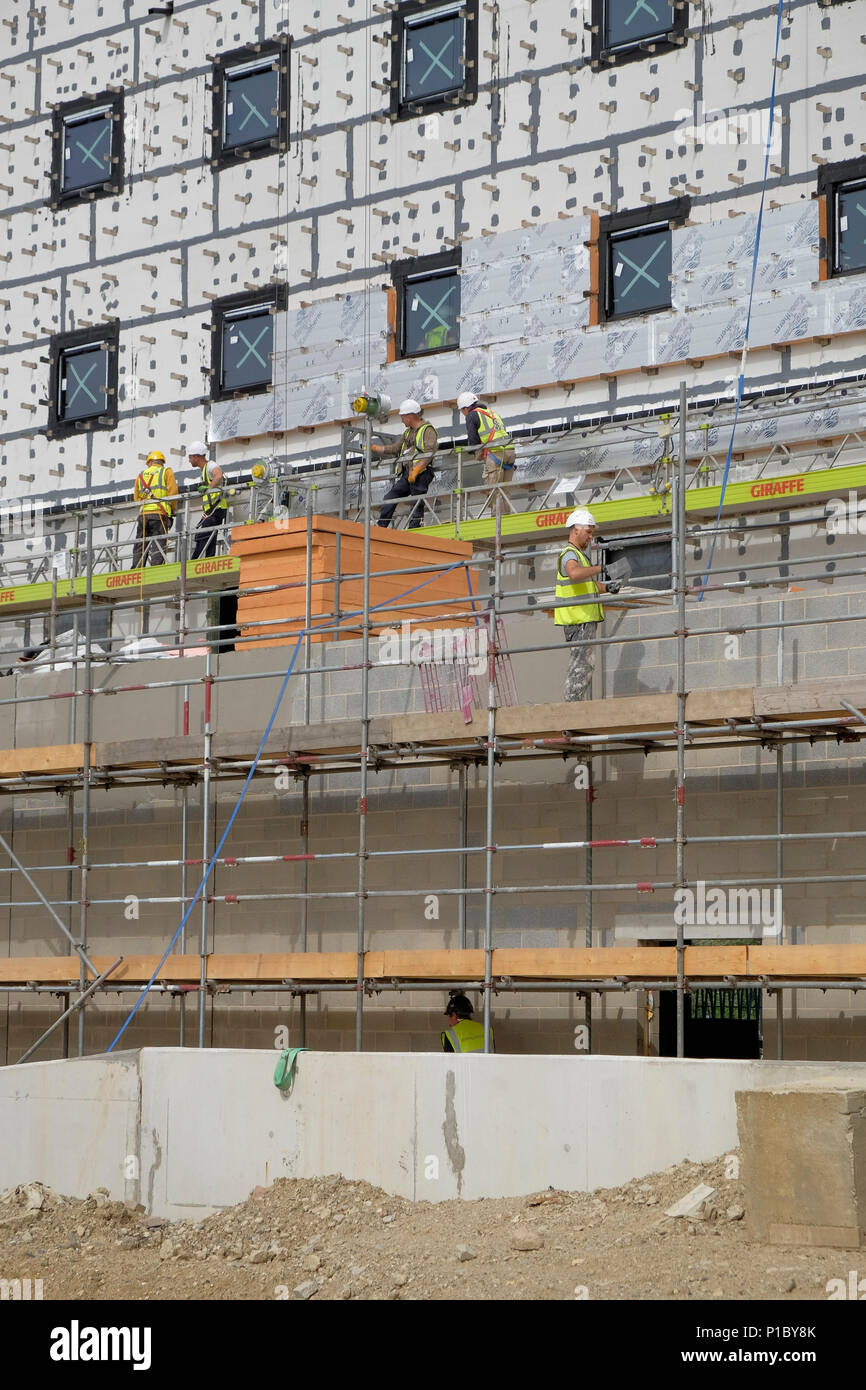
x=136, y=493
x=389, y=450
x=171, y=488
x=580, y=573
x=473, y=438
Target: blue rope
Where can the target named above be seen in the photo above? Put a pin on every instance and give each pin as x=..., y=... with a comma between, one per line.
x=386, y=603
x=741, y=378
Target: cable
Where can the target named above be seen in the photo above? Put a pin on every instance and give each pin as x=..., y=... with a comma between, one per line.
x=745, y=353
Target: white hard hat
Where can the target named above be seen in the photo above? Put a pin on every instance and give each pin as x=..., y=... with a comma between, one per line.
x=197, y=447
x=580, y=517
x=465, y=399
x=409, y=407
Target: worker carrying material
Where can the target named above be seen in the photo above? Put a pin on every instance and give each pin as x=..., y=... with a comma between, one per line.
x=576, y=585
x=214, y=511
x=156, y=490
x=463, y=1034
x=414, y=452
x=487, y=434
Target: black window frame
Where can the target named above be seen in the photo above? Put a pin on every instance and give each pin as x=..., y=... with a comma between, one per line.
x=279, y=49
x=418, y=108
x=604, y=54
x=106, y=188
x=671, y=214
x=61, y=344
x=404, y=273
x=832, y=178
x=269, y=294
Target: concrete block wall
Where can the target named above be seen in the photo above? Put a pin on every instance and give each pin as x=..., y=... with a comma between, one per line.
x=620, y=138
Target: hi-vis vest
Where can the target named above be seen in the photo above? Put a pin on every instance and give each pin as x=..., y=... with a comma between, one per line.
x=491, y=430
x=412, y=443
x=212, y=498
x=151, y=482
x=566, y=588
x=466, y=1036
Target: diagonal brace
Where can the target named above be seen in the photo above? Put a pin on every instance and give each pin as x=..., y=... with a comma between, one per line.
x=46, y=904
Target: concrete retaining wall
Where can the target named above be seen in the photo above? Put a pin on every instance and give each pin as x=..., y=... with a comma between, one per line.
x=186, y=1132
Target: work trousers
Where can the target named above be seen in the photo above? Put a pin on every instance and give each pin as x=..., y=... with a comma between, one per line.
x=578, y=682
x=149, y=548
x=498, y=466
x=401, y=487
x=206, y=534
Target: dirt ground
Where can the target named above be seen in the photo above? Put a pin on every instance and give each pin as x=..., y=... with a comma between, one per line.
x=332, y=1239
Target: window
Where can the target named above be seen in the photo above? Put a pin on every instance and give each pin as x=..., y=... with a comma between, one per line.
x=843, y=217
x=87, y=148
x=434, y=57
x=623, y=30
x=243, y=342
x=635, y=259
x=251, y=101
x=83, y=371
x=428, y=304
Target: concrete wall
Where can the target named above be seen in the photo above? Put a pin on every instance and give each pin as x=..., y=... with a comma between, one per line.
x=203, y=1128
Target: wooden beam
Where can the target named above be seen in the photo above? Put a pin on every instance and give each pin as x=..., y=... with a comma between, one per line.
x=827, y=962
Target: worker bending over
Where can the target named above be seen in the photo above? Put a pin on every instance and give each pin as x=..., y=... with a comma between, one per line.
x=156, y=490
x=414, y=471
x=487, y=435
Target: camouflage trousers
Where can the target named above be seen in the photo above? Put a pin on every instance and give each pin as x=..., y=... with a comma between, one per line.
x=579, y=679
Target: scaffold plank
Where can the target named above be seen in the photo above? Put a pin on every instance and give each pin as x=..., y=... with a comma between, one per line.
x=454, y=964
x=808, y=962
x=53, y=757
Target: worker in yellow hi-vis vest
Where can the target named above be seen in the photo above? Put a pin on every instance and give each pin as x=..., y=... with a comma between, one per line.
x=156, y=490
x=487, y=435
x=414, y=452
x=577, y=584
x=463, y=1034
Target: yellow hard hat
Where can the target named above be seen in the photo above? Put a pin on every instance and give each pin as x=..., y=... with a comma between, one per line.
x=156, y=454
x=258, y=470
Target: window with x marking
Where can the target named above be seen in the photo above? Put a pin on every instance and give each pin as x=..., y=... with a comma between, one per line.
x=88, y=148
x=639, y=266
x=83, y=389
x=250, y=116
x=630, y=21
x=247, y=343
x=83, y=382
x=431, y=305
x=251, y=109
x=434, y=56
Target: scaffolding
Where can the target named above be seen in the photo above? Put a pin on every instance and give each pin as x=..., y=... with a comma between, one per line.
x=365, y=746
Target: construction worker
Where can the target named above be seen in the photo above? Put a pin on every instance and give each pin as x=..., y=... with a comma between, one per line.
x=156, y=490
x=487, y=435
x=214, y=511
x=414, y=452
x=577, y=580
x=463, y=1034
